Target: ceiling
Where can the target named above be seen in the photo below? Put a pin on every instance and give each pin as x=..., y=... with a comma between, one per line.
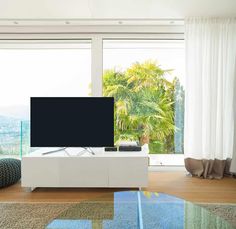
x=115, y=9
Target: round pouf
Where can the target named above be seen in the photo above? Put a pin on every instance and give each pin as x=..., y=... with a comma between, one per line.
x=10, y=171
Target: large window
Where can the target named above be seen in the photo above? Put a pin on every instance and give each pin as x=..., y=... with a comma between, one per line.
x=146, y=79
x=144, y=72
x=37, y=68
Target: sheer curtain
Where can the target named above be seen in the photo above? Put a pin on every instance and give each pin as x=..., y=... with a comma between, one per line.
x=209, y=96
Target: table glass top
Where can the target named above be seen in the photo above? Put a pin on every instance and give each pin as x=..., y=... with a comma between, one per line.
x=136, y=209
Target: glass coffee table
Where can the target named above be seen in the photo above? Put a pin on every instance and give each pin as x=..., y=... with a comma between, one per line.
x=137, y=209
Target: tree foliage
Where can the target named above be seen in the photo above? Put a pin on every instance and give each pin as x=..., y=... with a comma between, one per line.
x=144, y=103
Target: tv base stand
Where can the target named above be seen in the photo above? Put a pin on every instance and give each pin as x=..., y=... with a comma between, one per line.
x=85, y=149
x=104, y=169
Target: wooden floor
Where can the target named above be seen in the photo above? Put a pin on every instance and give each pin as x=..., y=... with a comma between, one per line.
x=174, y=183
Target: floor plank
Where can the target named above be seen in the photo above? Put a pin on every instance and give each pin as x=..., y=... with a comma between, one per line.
x=174, y=183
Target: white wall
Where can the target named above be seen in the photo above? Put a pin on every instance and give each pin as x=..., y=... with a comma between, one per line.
x=59, y=9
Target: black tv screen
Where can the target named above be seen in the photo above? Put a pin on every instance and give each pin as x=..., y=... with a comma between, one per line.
x=72, y=121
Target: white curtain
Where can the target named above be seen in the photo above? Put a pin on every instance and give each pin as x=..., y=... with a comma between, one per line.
x=210, y=84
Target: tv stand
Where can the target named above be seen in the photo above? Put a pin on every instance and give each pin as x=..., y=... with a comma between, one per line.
x=104, y=169
x=85, y=149
x=56, y=151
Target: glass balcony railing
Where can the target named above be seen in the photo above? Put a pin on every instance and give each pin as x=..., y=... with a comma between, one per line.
x=15, y=138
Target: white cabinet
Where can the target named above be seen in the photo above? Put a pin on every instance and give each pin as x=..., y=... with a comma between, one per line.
x=105, y=169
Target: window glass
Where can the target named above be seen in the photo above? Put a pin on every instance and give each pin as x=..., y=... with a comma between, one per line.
x=43, y=69
x=146, y=79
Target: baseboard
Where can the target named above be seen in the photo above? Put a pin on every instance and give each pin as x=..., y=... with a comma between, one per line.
x=166, y=168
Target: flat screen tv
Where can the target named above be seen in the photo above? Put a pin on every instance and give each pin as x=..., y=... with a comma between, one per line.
x=72, y=121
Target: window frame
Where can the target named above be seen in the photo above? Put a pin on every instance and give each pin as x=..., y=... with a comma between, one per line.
x=97, y=34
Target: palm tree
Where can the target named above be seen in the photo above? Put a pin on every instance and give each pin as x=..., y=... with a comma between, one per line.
x=144, y=102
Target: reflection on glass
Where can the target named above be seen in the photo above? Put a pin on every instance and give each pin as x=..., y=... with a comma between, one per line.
x=134, y=209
